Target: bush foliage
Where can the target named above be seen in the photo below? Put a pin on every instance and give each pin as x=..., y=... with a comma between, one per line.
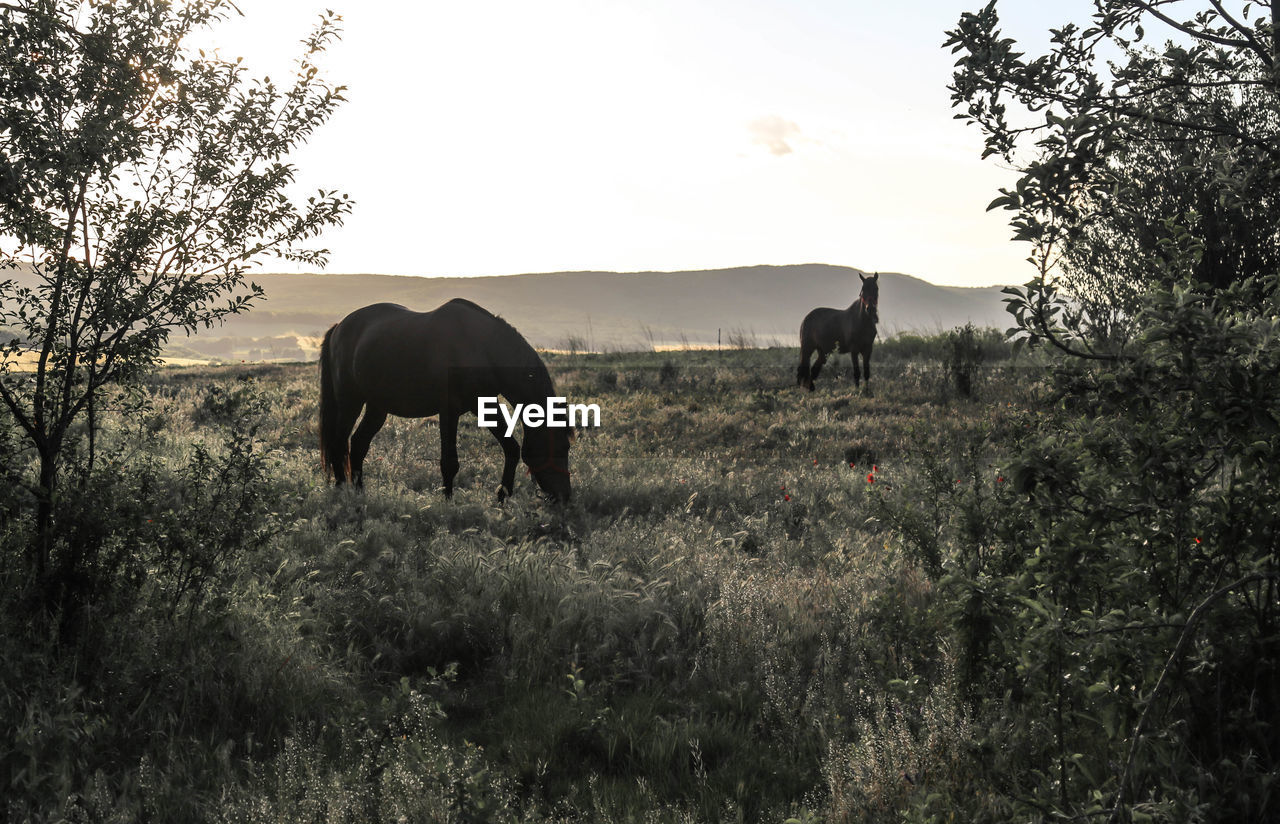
x=899, y=604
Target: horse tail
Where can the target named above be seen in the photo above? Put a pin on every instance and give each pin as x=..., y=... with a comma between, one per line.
x=335, y=450
x=802, y=371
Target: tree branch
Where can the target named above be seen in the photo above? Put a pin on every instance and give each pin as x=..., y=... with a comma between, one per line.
x=1269, y=146
x=63, y=24
x=18, y=413
x=1191, y=31
x=55, y=307
x=1247, y=33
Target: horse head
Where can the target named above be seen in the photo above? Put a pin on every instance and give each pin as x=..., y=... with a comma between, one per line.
x=870, y=295
x=546, y=453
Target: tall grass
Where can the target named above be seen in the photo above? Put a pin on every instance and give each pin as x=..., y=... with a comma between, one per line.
x=737, y=617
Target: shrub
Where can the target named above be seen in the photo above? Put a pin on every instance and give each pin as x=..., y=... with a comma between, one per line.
x=964, y=357
x=231, y=403
x=11, y=491
x=1133, y=591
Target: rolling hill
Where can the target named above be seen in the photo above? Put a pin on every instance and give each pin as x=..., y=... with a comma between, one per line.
x=756, y=305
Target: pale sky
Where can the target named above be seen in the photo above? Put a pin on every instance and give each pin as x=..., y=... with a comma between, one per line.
x=492, y=137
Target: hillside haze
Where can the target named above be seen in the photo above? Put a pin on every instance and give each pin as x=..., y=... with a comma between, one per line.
x=756, y=305
x=600, y=311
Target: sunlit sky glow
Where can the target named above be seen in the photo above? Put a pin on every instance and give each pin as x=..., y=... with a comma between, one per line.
x=507, y=136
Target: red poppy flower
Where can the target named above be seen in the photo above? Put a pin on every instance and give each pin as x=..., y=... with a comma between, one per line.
x=871, y=478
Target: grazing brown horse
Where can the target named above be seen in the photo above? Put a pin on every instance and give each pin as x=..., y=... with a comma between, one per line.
x=851, y=330
x=393, y=361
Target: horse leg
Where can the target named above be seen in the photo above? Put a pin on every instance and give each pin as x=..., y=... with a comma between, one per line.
x=816, y=368
x=449, y=450
x=802, y=371
x=339, y=450
x=511, y=452
x=369, y=425
x=853, y=356
x=866, y=365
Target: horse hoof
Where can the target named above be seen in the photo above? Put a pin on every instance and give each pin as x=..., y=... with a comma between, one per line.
x=503, y=493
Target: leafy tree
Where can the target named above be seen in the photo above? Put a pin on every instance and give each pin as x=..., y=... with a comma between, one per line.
x=1120, y=623
x=1119, y=615
x=1139, y=166
x=138, y=181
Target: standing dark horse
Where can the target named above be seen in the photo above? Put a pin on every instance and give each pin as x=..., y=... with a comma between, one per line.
x=852, y=330
x=394, y=361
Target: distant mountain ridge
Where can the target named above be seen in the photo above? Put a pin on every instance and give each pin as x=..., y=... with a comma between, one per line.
x=755, y=305
x=758, y=305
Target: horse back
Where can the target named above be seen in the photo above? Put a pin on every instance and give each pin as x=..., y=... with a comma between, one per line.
x=415, y=364
x=469, y=304
x=822, y=329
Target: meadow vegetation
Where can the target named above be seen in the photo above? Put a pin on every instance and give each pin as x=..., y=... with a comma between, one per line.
x=912, y=603
x=731, y=617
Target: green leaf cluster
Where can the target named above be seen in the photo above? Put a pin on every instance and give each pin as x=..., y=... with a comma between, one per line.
x=1140, y=164
x=1123, y=636
x=139, y=179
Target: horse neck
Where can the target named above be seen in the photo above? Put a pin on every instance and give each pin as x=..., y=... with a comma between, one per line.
x=538, y=386
x=859, y=314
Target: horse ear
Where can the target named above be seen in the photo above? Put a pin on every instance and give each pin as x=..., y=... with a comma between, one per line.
x=864, y=277
x=876, y=276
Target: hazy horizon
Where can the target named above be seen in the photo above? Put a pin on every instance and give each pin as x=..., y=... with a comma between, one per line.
x=600, y=310
x=444, y=276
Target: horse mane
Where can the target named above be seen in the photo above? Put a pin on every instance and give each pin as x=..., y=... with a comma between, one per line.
x=506, y=325
x=473, y=305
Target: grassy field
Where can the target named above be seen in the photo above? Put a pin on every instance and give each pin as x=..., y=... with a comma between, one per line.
x=733, y=620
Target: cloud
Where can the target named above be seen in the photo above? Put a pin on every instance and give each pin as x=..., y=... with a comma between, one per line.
x=773, y=131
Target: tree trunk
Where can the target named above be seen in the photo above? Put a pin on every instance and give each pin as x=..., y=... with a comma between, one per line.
x=43, y=538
